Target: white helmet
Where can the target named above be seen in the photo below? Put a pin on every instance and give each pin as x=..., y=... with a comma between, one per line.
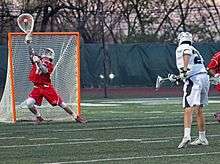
x=49, y=53
x=185, y=37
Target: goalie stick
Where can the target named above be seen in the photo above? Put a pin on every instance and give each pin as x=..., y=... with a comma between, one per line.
x=26, y=23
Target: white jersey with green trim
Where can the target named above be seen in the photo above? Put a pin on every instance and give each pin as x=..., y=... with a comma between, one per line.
x=196, y=62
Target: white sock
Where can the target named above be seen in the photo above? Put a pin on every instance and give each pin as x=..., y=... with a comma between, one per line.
x=202, y=134
x=38, y=114
x=74, y=116
x=187, y=132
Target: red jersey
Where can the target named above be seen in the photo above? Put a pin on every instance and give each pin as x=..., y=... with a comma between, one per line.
x=214, y=64
x=36, y=75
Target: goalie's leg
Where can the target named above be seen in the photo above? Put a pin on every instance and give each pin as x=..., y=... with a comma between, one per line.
x=54, y=99
x=30, y=104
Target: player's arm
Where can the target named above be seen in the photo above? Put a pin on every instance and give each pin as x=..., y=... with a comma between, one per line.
x=34, y=57
x=212, y=67
x=211, y=72
x=32, y=53
x=43, y=68
x=186, y=58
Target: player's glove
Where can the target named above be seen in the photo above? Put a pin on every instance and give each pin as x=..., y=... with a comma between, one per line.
x=183, y=75
x=217, y=75
x=28, y=39
x=172, y=77
x=36, y=59
x=81, y=119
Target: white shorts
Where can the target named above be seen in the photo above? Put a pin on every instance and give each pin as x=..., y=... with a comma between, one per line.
x=196, y=90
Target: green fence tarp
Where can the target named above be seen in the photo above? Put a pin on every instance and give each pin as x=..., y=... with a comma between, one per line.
x=132, y=64
x=3, y=67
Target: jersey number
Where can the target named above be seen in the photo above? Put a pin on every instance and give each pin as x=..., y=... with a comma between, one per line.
x=197, y=59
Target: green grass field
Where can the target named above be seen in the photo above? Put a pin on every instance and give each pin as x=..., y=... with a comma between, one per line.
x=119, y=131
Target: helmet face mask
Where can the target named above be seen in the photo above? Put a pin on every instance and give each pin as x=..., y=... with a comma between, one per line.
x=48, y=53
x=184, y=37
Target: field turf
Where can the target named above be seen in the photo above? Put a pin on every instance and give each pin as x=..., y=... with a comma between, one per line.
x=127, y=131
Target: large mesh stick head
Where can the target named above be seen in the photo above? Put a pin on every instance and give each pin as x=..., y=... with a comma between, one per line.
x=26, y=22
x=158, y=82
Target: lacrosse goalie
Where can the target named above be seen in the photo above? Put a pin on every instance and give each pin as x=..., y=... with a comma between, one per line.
x=196, y=86
x=42, y=67
x=214, y=72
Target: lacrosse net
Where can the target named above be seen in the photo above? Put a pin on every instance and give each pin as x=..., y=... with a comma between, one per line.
x=65, y=78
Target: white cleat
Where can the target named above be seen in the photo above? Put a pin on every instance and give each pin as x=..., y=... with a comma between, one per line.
x=185, y=141
x=198, y=141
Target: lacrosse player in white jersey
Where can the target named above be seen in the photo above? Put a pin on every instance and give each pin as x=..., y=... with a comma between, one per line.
x=196, y=86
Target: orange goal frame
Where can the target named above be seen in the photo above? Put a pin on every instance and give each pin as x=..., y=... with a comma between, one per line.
x=11, y=67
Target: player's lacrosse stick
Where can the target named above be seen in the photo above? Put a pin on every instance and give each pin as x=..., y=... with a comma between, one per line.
x=26, y=23
x=159, y=81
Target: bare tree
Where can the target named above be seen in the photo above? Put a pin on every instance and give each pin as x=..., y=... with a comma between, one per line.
x=124, y=21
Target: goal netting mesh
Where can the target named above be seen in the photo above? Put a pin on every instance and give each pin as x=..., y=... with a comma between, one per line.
x=65, y=78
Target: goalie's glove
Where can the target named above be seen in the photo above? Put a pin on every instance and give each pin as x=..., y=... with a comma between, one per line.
x=28, y=39
x=36, y=59
x=172, y=78
x=81, y=119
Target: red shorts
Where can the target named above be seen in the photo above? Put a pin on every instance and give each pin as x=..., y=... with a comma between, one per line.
x=45, y=91
x=217, y=87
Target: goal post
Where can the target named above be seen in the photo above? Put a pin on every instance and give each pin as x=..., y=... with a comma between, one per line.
x=65, y=78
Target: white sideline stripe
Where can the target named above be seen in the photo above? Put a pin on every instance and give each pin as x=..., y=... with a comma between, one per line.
x=75, y=143
x=46, y=138
x=126, y=112
x=8, y=138
x=142, y=140
x=1, y=134
x=214, y=101
x=161, y=139
x=176, y=137
x=74, y=139
x=154, y=117
x=146, y=117
x=98, y=104
x=127, y=127
x=157, y=141
x=155, y=112
x=129, y=139
x=80, y=139
x=145, y=102
x=140, y=157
